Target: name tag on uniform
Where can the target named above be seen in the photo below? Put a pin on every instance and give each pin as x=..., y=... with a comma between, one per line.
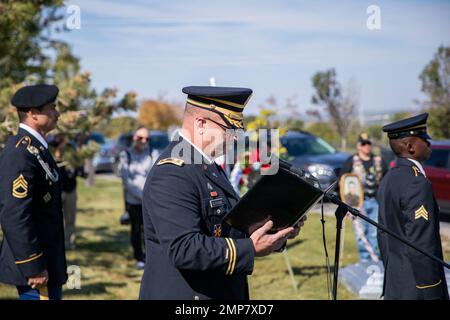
x=214, y=203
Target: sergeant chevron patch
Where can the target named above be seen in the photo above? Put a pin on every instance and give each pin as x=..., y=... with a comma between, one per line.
x=20, y=187
x=421, y=213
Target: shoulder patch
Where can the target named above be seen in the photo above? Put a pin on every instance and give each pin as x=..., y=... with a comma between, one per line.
x=25, y=140
x=175, y=161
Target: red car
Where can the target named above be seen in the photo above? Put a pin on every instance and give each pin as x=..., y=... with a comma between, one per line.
x=437, y=169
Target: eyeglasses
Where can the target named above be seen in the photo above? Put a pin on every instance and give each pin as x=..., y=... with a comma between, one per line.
x=141, y=138
x=366, y=143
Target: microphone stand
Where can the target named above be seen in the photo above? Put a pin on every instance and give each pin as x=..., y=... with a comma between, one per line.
x=340, y=213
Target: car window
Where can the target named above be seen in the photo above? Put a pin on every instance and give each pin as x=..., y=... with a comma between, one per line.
x=307, y=146
x=439, y=158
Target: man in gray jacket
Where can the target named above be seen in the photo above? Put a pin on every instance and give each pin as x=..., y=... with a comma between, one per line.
x=135, y=164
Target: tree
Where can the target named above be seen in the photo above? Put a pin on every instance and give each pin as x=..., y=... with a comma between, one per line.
x=119, y=125
x=30, y=54
x=158, y=114
x=435, y=79
x=325, y=132
x=25, y=27
x=400, y=115
x=340, y=107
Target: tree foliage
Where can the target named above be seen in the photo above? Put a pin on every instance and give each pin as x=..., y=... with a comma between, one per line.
x=31, y=54
x=159, y=114
x=340, y=107
x=119, y=125
x=435, y=79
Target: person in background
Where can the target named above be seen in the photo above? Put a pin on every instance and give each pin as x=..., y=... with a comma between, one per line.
x=134, y=166
x=370, y=169
x=70, y=166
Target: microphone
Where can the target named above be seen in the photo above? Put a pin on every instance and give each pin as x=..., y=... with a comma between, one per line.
x=297, y=171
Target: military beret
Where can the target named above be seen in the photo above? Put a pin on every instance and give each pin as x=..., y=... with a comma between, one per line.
x=411, y=127
x=228, y=102
x=35, y=96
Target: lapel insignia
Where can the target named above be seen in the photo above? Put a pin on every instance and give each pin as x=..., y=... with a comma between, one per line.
x=20, y=188
x=175, y=161
x=421, y=213
x=416, y=171
x=33, y=150
x=213, y=194
x=47, y=197
x=217, y=230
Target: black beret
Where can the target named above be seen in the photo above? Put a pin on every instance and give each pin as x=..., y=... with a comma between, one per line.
x=228, y=102
x=411, y=127
x=35, y=96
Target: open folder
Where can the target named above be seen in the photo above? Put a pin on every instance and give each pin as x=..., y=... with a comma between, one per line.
x=283, y=198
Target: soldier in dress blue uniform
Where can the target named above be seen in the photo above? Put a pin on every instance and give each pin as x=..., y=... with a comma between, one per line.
x=191, y=253
x=32, y=255
x=408, y=208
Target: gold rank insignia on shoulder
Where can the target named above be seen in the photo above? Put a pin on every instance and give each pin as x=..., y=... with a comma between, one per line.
x=20, y=188
x=416, y=171
x=175, y=161
x=24, y=140
x=421, y=213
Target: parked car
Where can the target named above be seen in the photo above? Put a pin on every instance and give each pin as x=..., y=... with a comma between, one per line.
x=103, y=161
x=315, y=155
x=437, y=169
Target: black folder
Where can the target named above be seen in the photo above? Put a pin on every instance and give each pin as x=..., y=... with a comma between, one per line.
x=283, y=198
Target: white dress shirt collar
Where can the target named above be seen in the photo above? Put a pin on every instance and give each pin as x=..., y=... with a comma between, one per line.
x=35, y=134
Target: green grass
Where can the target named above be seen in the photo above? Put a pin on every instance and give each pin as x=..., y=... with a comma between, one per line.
x=104, y=255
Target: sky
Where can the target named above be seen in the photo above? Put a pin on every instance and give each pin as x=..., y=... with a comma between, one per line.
x=273, y=47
